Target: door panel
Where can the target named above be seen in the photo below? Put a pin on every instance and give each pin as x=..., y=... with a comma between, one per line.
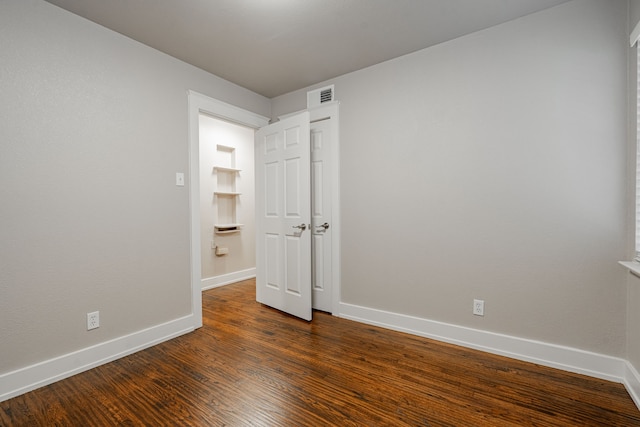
x=293, y=192
x=293, y=264
x=283, y=213
x=271, y=189
x=318, y=267
x=272, y=261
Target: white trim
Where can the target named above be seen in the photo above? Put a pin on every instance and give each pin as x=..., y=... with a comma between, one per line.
x=199, y=103
x=222, y=110
x=632, y=383
x=635, y=35
x=633, y=266
x=29, y=378
x=286, y=116
x=555, y=356
x=226, y=279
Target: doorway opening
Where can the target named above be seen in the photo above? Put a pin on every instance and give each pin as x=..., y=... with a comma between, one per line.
x=203, y=105
x=227, y=208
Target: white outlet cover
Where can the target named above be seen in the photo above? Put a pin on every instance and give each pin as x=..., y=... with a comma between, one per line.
x=478, y=307
x=93, y=320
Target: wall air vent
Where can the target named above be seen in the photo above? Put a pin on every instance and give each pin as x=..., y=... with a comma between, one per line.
x=320, y=96
x=326, y=95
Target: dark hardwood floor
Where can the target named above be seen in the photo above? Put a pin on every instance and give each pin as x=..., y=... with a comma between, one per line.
x=253, y=366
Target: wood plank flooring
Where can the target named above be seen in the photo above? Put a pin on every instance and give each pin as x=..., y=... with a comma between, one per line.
x=250, y=365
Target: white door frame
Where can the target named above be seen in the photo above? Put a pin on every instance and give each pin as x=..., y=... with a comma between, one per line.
x=199, y=103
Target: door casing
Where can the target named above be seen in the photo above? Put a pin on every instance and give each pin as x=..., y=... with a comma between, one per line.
x=202, y=104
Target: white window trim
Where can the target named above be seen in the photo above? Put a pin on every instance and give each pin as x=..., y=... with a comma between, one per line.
x=634, y=266
x=637, y=192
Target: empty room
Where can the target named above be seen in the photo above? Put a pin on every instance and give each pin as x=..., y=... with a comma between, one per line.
x=430, y=219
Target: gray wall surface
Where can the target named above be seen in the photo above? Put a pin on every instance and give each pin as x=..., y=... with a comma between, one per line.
x=93, y=128
x=493, y=166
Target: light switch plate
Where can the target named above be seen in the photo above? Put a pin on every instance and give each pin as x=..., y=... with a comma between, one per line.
x=179, y=179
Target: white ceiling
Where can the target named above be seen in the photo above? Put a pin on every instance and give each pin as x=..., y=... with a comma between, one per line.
x=276, y=46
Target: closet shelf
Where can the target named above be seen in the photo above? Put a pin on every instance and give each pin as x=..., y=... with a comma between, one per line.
x=227, y=200
x=225, y=169
x=227, y=228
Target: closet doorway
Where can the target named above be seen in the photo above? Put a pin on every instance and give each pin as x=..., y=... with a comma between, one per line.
x=227, y=209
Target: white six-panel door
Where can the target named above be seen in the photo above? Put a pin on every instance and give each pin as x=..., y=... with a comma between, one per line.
x=283, y=216
x=321, y=220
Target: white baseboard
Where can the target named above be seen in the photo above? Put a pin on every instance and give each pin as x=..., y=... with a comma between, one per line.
x=555, y=356
x=632, y=383
x=225, y=279
x=29, y=378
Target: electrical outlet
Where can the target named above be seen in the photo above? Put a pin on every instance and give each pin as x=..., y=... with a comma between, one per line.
x=478, y=307
x=93, y=320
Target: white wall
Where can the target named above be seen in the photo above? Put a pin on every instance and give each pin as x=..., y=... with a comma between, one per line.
x=93, y=128
x=241, y=245
x=493, y=167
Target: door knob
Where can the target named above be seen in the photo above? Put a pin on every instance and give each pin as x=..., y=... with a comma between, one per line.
x=325, y=226
x=301, y=227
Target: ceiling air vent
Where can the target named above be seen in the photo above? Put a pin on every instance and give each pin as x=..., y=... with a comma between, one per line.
x=319, y=96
